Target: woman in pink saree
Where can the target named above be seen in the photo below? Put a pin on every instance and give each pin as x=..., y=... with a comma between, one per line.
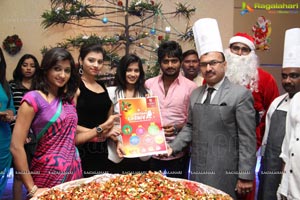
x=56, y=159
x=50, y=112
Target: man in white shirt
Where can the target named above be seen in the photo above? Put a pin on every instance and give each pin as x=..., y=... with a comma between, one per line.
x=221, y=121
x=290, y=183
x=271, y=164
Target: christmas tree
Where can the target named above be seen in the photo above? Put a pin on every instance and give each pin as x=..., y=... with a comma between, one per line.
x=121, y=26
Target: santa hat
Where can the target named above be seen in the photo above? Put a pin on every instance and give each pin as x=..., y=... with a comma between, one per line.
x=243, y=38
x=207, y=36
x=291, y=54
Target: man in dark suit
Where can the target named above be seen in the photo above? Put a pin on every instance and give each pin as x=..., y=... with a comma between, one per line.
x=221, y=123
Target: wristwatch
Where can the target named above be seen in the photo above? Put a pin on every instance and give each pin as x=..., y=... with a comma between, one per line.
x=99, y=130
x=176, y=131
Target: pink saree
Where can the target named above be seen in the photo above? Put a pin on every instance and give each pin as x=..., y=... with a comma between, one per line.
x=56, y=159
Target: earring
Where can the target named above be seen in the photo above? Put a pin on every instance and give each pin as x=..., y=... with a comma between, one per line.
x=80, y=70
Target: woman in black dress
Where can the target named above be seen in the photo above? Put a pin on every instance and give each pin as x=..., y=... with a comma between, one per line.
x=93, y=107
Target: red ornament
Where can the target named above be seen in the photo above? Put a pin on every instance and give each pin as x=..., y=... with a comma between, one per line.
x=120, y=3
x=152, y=2
x=160, y=37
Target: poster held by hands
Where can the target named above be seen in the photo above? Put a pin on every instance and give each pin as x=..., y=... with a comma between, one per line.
x=141, y=127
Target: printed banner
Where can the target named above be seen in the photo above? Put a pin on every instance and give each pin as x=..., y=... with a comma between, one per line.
x=141, y=127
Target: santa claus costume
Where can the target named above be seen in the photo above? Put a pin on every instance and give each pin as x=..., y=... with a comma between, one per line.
x=244, y=70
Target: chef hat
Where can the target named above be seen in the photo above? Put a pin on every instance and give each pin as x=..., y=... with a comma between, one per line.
x=291, y=55
x=243, y=38
x=207, y=36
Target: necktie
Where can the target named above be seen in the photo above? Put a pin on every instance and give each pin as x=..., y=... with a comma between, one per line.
x=208, y=97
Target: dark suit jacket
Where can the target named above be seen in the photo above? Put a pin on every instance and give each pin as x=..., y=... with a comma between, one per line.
x=239, y=116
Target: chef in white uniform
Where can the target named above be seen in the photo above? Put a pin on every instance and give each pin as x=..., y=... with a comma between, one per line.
x=271, y=164
x=290, y=183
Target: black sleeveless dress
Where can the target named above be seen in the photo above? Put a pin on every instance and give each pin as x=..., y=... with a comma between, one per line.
x=92, y=109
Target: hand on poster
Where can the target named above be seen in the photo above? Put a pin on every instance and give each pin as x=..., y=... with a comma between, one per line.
x=141, y=127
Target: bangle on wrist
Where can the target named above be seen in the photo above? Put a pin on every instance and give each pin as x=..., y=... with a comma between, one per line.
x=32, y=191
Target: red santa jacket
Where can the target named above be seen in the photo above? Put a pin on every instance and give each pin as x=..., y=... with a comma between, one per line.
x=267, y=92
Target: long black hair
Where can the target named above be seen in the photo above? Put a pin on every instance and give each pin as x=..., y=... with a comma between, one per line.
x=49, y=61
x=17, y=74
x=121, y=74
x=3, y=80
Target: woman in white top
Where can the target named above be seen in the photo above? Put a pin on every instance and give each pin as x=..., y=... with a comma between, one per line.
x=130, y=79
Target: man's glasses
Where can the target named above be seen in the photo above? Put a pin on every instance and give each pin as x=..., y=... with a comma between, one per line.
x=167, y=61
x=236, y=49
x=291, y=75
x=211, y=63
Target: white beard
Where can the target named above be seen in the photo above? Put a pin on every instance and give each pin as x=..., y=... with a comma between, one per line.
x=242, y=70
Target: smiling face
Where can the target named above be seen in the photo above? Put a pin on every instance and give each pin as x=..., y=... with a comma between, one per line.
x=92, y=63
x=59, y=75
x=132, y=73
x=212, y=67
x=28, y=68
